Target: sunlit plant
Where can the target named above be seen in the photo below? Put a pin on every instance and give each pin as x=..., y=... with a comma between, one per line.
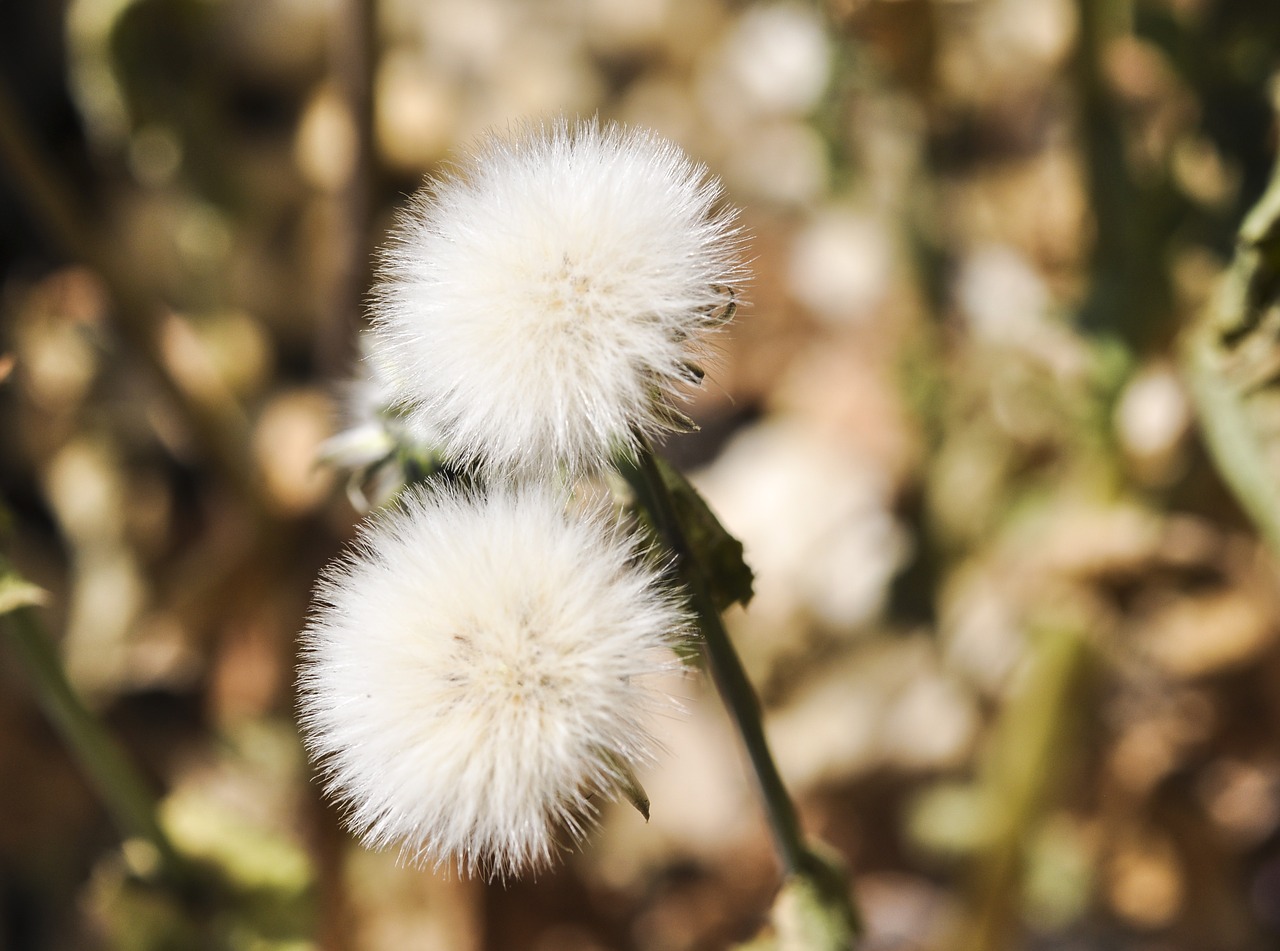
x=478, y=672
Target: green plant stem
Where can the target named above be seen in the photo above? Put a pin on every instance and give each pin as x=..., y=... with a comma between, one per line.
x=122, y=789
x=814, y=908
x=1129, y=293
x=726, y=668
x=354, y=54
x=1029, y=748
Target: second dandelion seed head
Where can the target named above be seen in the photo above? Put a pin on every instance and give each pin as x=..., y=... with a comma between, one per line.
x=481, y=669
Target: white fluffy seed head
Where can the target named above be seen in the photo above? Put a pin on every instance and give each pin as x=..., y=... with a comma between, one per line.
x=541, y=306
x=478, y=672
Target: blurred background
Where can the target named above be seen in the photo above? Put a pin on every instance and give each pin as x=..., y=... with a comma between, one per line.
x=1017, y=641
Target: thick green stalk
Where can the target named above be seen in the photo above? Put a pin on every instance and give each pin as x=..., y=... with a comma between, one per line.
x=1029, y=747
x=126, y=795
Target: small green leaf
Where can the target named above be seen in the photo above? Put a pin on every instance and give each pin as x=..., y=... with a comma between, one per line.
x=718, y=554
x=16, y=592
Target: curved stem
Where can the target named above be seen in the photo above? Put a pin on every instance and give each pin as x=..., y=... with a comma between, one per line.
x=726, y=668
x=815, y=910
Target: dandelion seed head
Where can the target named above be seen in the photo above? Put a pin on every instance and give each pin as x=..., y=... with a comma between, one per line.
x=541, y=304
x=477, y=674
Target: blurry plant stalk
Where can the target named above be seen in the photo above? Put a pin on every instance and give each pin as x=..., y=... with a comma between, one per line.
x=814, y=910
x=106, y=765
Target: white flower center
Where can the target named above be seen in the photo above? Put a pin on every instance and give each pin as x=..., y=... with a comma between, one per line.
x=571, y=294
x=519, y=674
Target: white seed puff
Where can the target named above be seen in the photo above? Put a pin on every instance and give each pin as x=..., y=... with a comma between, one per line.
x=541, y=304
x=478, y=670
